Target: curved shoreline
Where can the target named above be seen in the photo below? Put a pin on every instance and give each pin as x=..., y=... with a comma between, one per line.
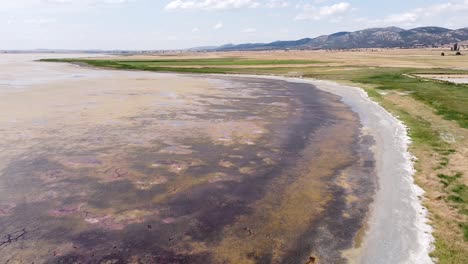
x=258, y=166
x=412, y=224
x=397, y=209
x=406, y=238
x=386, y=239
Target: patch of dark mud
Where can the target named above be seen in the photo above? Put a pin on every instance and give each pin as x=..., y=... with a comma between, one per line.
x=108, y=195
x=337, y=229
x=159, y=256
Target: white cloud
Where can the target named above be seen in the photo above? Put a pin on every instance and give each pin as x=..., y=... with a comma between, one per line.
x=447, y=12
x=210, y=4
x=318, y=13
x=218, y=26
x=277, y=4
x=195, y=29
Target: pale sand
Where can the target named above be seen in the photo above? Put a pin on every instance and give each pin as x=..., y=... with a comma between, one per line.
x=398, y=226
x=454, y=78
x=398, y=229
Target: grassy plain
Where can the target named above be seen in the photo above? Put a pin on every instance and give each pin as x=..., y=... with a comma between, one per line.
x=436, y=112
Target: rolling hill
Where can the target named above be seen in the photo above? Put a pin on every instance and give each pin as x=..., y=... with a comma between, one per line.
x=389, y=37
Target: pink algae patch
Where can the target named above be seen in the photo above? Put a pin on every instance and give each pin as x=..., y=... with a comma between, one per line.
x=5, y=209
x=65, y=211
x=168, y=220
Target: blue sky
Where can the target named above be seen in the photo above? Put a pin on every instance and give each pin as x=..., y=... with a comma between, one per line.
x=174, y=24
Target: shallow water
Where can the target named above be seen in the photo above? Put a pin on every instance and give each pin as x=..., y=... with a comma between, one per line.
x=159, y=168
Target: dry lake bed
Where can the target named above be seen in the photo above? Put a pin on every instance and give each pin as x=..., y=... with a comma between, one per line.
x=101, y=166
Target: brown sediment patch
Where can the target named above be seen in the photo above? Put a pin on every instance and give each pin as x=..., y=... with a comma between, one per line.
x=157, y=185
x=277, y=219
x=247, y=170
x=226, y=163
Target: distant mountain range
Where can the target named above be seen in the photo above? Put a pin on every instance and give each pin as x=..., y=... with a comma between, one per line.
x=390, y=37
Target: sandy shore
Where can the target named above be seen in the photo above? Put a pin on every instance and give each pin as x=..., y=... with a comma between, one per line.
x=398, y=229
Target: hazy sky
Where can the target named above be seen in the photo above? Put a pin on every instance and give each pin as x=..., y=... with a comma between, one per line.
x=173, y=24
